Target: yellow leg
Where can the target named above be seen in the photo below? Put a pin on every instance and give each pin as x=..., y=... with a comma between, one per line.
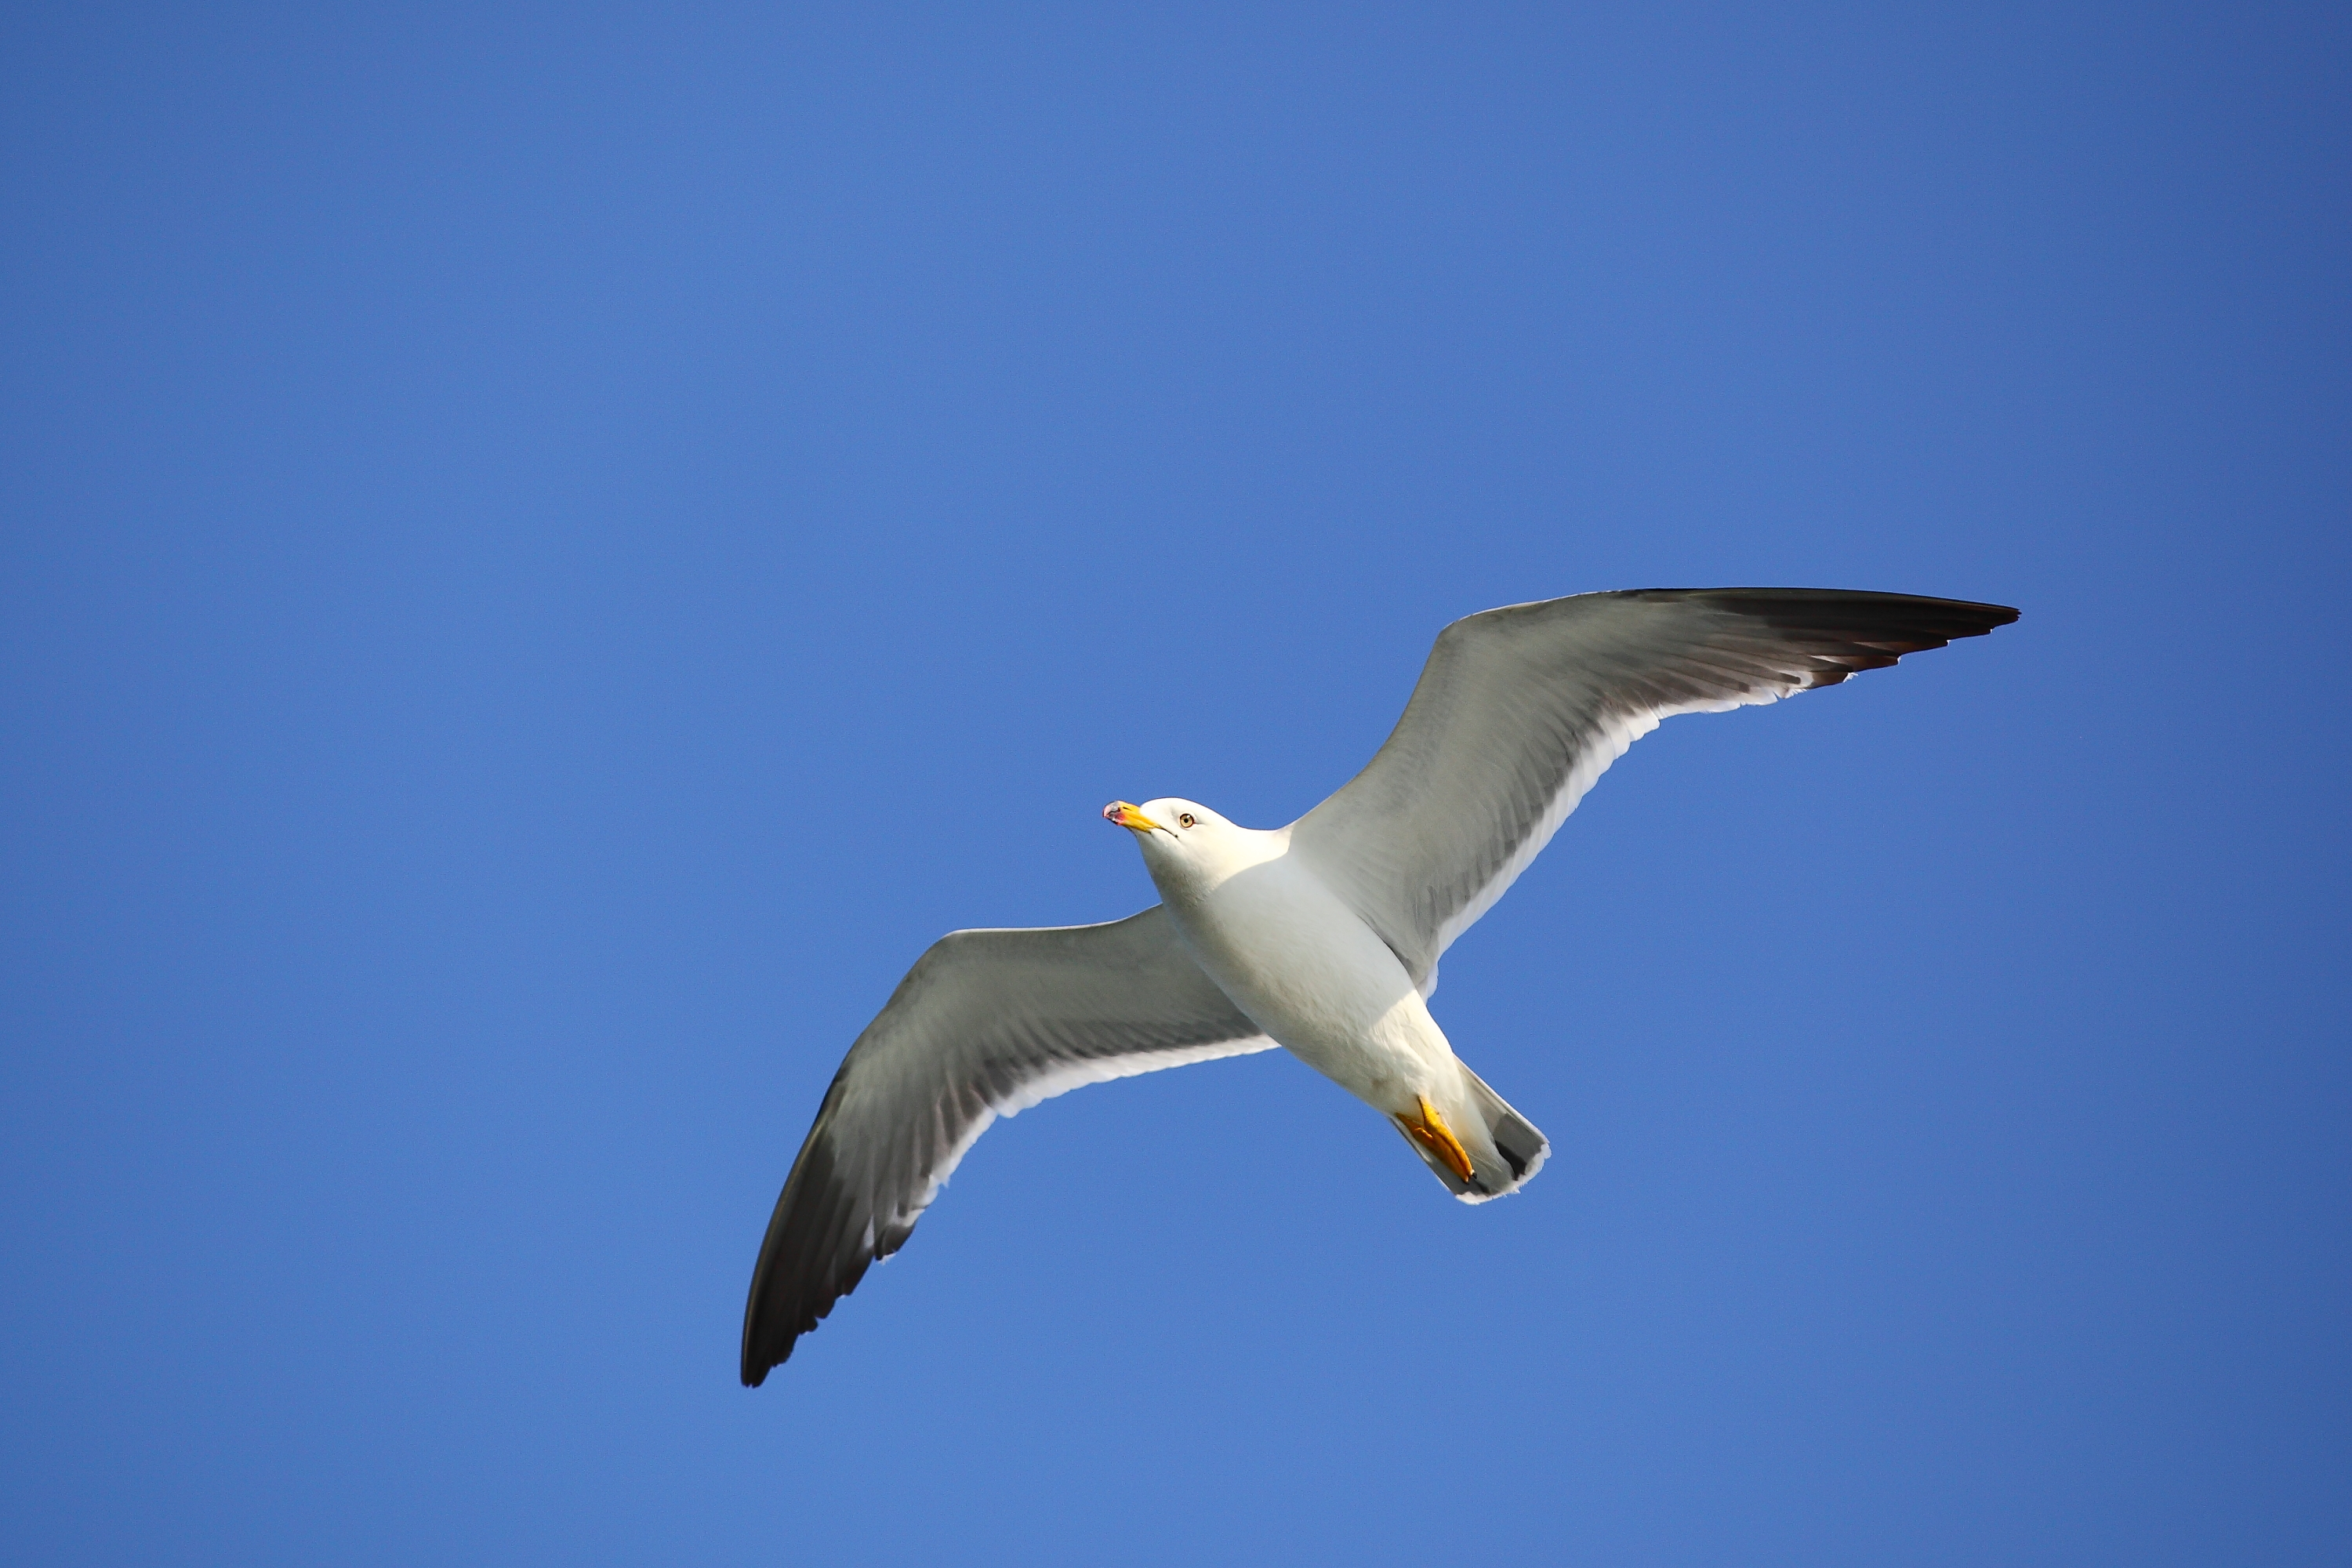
x=1433, y=1134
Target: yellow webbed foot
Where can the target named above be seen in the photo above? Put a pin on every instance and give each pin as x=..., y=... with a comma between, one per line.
x=1431, y=1131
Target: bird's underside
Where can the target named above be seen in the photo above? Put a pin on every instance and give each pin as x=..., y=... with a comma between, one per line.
x=1516, y=714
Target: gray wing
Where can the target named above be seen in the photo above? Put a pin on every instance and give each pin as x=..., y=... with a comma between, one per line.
x=1520, y=709
x=986, y=1024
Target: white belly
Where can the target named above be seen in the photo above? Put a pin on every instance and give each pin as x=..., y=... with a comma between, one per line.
x=1307, y=971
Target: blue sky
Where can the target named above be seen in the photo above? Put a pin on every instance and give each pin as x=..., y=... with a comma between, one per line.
x=549, y=551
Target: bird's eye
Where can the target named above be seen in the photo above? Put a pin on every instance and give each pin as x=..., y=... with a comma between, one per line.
x=1186, y=819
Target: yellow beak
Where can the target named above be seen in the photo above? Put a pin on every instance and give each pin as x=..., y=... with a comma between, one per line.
x=1126, y=816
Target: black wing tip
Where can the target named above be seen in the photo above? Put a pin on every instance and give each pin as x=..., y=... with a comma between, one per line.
x=770, y=1336
x=768, y=1343
x=803, y=1266
x=777, y=1315
x=765, y=1352
x=772, y=1326
x=1856, y=609
x=759, y=1363
x=1856, y=613
x=1849, y=630
x=1843, y=631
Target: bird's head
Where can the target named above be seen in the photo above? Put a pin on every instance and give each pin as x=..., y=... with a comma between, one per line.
x=1168, y=814
x=1185, y=839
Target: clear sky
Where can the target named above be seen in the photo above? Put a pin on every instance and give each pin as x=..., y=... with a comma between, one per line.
x=549, y=551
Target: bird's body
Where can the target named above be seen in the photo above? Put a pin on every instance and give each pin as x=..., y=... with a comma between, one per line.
x=1323, y=936
x=1306, y=969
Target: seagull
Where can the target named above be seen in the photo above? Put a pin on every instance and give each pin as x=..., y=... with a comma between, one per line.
x=1322, y=937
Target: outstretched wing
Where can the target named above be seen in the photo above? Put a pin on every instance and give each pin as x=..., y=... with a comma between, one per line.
x=1520, y=709
x=986, y=1024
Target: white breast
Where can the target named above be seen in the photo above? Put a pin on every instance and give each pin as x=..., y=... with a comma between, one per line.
x=1306, y=969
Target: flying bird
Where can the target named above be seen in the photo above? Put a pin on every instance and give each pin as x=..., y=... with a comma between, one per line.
x=1322, y=937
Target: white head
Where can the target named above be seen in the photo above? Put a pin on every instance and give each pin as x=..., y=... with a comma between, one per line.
x=1185, y=843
